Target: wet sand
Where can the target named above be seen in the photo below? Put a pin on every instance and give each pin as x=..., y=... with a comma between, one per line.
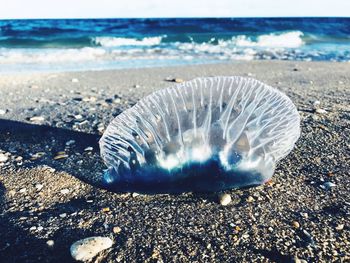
x=50, y=124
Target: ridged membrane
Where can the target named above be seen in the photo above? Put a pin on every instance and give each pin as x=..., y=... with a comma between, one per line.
x=207, y=134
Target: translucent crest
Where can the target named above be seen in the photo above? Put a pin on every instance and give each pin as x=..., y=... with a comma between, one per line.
x=208, y=134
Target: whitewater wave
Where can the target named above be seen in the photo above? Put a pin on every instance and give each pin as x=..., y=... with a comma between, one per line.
x=121, y=41
x=291, y=39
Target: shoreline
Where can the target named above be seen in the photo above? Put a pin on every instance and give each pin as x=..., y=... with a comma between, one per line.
x=47, y=195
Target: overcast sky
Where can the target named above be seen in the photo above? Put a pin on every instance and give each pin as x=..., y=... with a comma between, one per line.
x=173, y=8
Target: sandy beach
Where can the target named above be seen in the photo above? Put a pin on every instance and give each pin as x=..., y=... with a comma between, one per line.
x=50, y=169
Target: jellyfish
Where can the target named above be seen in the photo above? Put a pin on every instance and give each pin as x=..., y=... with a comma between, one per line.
x=204, y=135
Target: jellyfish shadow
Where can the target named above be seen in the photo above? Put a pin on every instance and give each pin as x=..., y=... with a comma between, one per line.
x=26, y=139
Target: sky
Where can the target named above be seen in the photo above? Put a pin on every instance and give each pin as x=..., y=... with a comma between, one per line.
x=171, y=8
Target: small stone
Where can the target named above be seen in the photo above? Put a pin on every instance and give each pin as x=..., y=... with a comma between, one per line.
x=60, y=155
x=78, y=117
x=23, y=190
x=63, y=215
x=296, y=224
x=328, y=185
x=135, y=194
x=70, y=142
x=137, y=86
x=320, y=111
x=88, y=248
x=340, y=227
x=117, y=230
x=3, y=158
x=316, y=104
x=34, y=86
x=50, y=243
x=2, y=112
x=88, y=149
x=37, y=119
x=106, y=209
x=64, y=191
x=75, y=80
x=270, y=229
x=39, y=228
x=33, y=228
x=225, y=199
x=250, y=199
x=39, y=187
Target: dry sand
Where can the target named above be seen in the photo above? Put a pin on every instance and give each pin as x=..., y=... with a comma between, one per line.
x=293, y=217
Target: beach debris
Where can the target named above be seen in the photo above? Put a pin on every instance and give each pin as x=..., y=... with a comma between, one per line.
x=169, y=131
x=75, y=80
x=37, y=119
x=2, y=112
x=225, y=199
x=88, y=248
x=328, y=185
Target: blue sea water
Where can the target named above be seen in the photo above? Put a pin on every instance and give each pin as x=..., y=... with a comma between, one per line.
x=95, y=44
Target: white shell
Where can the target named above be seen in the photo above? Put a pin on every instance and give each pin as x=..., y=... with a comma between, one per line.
x=88, y=248
x=207, y=134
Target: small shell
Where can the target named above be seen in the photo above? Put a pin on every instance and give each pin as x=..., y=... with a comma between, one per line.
x=208, y=134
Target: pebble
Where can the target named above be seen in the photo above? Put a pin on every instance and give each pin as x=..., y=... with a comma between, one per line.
x=2, y=112
x=328, y=185
x=106, y=209
x=23, y=190
x=37, y=119
x=117, y=230
x=321, y=111
x=88, y=248
x=60, y=156
x=39, y=228
x=88, y=149
x=64, y=191
x=3, y=158
x=63, y=215
x=250, y=199
x=316, y=104
x=135, y=194
x=75, y=80
x=39, y=187
x=340, y=227
x=50, y=243
x=225, y=199
x=70, y=142
x=296, y=224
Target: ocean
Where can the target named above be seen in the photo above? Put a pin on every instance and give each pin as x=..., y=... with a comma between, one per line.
x=96, y=44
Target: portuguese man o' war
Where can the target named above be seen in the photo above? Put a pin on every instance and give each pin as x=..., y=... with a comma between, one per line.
x=207, y=134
